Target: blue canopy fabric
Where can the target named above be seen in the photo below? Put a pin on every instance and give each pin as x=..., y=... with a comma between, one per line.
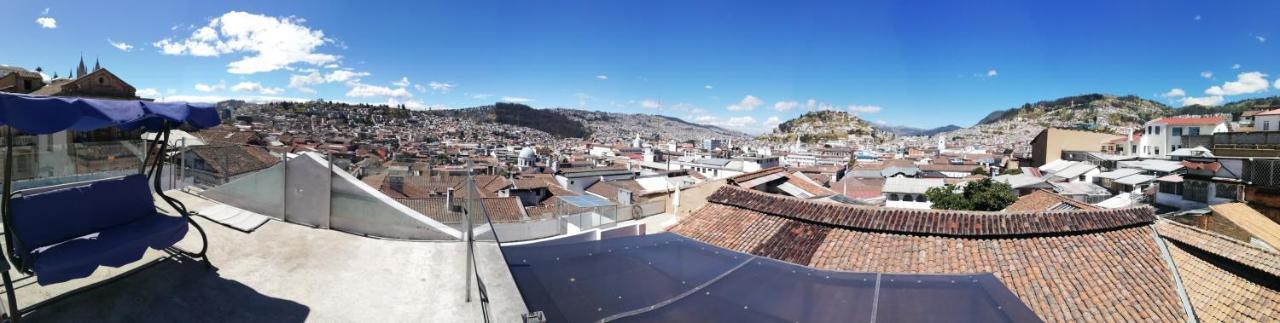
x=46, y=115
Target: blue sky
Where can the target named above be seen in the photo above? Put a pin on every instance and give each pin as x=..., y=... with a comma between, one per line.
x=740, y=64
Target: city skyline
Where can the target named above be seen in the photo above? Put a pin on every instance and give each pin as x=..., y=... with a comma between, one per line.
x=743, y=66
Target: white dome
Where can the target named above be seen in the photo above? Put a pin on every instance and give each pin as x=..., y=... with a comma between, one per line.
x=526, y=153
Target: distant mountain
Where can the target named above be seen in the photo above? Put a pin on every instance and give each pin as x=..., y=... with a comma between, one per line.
x=1235, y=108
x=826, y=125
x=1096, y=110
x=521, y=115
x=913, y=131
x=607, y=126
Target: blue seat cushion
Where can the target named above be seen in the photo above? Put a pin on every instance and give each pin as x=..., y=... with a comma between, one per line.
x=115, y=246
x=45, y=218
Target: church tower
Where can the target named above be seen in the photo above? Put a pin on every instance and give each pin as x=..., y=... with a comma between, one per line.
x=96, y=66
x=80, y=70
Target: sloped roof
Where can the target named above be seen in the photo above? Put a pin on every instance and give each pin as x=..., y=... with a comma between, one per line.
x=1050, y=260
x=1226, y=280
x=1042, y=200
x=1251, y=221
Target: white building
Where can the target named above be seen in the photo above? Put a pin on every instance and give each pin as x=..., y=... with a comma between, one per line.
x=908, y=193
x=1165, y=134
x=1267, y=121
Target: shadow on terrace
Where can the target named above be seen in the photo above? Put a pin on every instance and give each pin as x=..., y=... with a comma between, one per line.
x=115, y=215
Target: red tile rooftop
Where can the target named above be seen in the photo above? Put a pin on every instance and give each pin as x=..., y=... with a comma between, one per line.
x=1066, y=266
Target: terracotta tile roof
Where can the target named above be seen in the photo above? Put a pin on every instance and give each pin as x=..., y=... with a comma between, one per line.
x=1223, y=246
x=1218, y=289
x=605, y=189
x=1042, y=200
x=234, y=159
x=503, y=209
x=861, y=188
x=1079, y=266
x=808, y=185
x=434, y=208
x=939, y=222
x=1190, y=121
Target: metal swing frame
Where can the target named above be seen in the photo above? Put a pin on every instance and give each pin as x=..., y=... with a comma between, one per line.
x=159, y=145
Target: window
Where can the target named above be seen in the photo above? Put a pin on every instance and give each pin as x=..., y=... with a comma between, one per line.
x=1157, y=130
x=1193, y=131
x=920, y=198
x=1176, y=131
x=1157, y=150
x=1225, y=191
x=1266, y=125
x=1149, y=129
x=893, y=197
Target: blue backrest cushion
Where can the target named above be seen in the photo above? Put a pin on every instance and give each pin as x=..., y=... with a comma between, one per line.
x=45, y=218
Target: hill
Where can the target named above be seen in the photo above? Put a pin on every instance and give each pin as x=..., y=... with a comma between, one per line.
x=1235, y=108
x=521, y=115
x=1100, y=110
x=827, y=125
x=613, y=126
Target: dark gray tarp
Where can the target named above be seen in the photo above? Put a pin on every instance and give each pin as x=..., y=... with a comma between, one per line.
x=669, y=278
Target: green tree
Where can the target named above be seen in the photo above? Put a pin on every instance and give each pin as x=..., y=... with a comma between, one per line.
x=980, y=195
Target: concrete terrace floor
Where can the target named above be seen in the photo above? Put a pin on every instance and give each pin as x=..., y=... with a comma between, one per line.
x=284, y=272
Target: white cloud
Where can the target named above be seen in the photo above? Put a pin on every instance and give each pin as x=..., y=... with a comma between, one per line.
x=785, y=105
x=120, y=45
x=361, y=90
x=256, y=87
x=331, y=66
x=863, y=109
x=303, y=82
x=708, y=86
x=1235, y=66
x=602, y=77
x=516, y=99
x=403, y=82
x=1205, y=101
x=1175, y=93
x=211, y=88
x=440, y=86
x=772, y=121
x=743, y=123
x=992, y=72
x=148, y=93
x=1245, y=83
x=1196, y=18
x=481, y=96
x=1206, y=75
x=1277, y=84
x=650, y=104
x=44, y=12
x=1260, y=38
x=344, y=75
x=269, y=43
x=47, y=22
x=748, y=103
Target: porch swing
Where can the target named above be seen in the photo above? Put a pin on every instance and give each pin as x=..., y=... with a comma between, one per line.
x=65, y=232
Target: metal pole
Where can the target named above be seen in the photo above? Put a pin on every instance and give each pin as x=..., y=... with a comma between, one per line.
x=471, y=189
x=284, y=185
